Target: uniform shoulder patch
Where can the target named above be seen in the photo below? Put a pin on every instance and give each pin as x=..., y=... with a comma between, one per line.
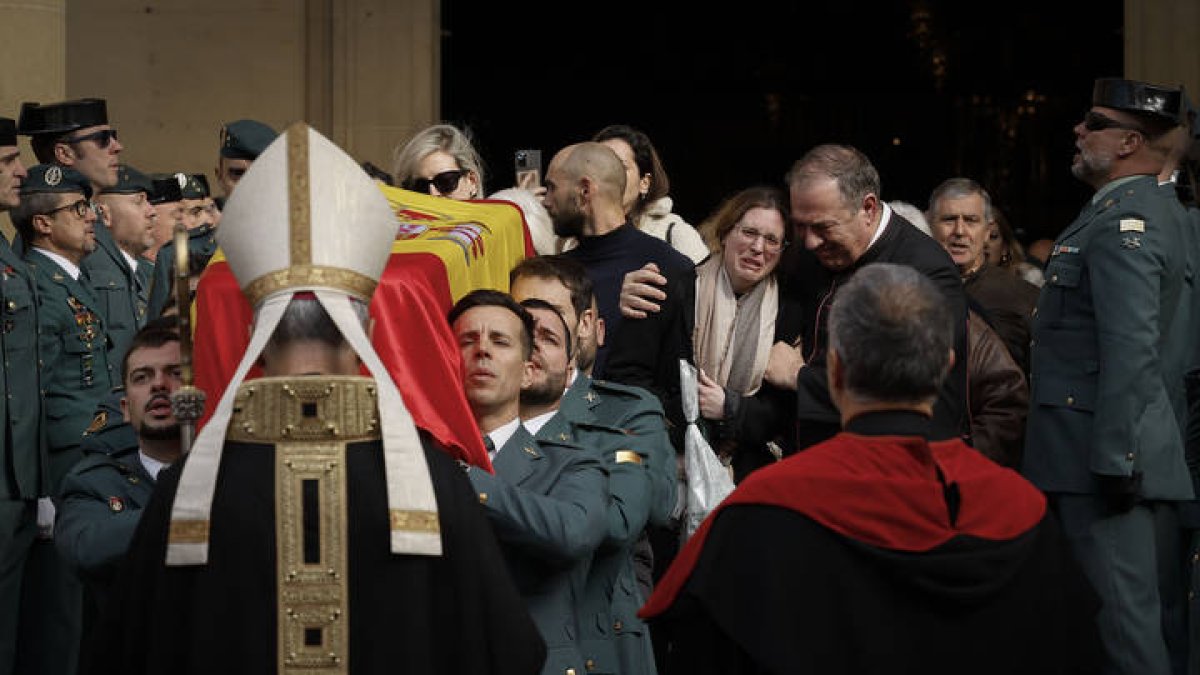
x=98, y=422
x=1133, y=225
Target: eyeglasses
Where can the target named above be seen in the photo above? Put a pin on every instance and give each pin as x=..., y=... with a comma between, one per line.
x=1094, y=121
x=446, y=182
x=771, y=243
x=80, y=208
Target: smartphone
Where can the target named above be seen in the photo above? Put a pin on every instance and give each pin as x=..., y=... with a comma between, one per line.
x=529, y=168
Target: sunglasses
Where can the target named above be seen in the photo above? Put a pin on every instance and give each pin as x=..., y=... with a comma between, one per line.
x=103, y=137
x=446, y=182
x=80, y=208
x=1094, y=121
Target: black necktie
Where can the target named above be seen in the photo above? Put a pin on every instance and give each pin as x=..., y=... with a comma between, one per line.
x=487, y=443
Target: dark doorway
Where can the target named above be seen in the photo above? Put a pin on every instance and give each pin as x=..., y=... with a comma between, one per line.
x=731, y=97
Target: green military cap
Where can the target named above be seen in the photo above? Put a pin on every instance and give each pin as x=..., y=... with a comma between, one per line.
x=245, y=139
x=194, y=185
x=1164, y=103
x=130, y=181
x=8, y=131
x=63, y=117
x=165, y=188
x=54, y=178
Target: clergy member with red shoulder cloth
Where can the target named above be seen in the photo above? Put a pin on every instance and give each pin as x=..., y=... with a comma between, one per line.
x=879, y=550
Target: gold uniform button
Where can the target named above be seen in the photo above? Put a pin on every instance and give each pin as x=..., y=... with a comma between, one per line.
x=617, y=625
x=1195, y=558
x=12, y=305
x=590, y=664
x=1054, y=278
x=1070, y=400
x=1129, y=457
x=1035, y=311
x=482, y=497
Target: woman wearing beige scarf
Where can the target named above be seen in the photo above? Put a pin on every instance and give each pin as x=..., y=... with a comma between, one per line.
x=724, y=316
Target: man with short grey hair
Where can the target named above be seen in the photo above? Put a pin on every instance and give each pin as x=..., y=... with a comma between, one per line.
x=844, y=225
x=961, y=217
x=878, y=549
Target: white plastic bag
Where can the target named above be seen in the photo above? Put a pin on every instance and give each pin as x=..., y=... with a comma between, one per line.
x=708, y=480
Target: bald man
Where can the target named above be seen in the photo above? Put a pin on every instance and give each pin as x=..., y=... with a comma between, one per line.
x=584, y=184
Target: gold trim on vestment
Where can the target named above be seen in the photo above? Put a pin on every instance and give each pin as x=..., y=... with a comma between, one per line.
x=414, y=521
x=349, y=281
x=188, y=532
x=299, y=409
x=299, y=216
x=313, y=595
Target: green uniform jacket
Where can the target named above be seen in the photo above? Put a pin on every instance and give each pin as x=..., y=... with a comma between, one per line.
x=102, y=501
x=76, y=373
x=23, y=473
x=637, y=412
x=202, y=244
x=547, y=503
x=1102, y=353
x=109, y=432
x=120, y=299
x=613, y=638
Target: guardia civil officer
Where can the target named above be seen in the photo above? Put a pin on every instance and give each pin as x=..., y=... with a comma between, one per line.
x=23, y=477
x=56, y=222
x=77, y=135
x=1102, y=437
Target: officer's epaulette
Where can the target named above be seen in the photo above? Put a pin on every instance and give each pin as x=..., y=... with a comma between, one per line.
x=1115, y=197
x=96, y=458
x=623, y=390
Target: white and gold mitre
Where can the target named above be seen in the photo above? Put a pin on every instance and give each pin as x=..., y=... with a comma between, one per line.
x=312, y=220
x=306, y=218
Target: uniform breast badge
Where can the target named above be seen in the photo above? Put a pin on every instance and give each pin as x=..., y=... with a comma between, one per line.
x=1131, y=243
x=84, y=318
x=116, y=504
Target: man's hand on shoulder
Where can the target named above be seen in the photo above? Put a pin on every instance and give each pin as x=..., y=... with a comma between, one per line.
x=641, y=292
x=783, y=365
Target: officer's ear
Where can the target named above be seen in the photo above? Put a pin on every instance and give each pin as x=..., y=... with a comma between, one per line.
x=125, y=409
x=42, y=224
x=64, y=154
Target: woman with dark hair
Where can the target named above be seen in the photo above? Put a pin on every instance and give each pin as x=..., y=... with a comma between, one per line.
x=646, y=186
x=723, y=316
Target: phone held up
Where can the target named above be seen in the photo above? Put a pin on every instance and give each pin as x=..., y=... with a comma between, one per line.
x=529, y=168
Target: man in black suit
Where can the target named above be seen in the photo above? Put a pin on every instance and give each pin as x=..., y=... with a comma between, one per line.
x=844, y=225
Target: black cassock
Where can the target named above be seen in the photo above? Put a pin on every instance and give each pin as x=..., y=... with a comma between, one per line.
x=458, y=613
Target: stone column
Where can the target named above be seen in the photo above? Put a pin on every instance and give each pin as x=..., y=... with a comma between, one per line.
x=363, y=72
x=1161, y=38
x=33, y=60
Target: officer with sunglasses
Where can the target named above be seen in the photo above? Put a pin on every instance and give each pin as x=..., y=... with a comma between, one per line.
x=1107, y=361
x=57, y=223
x=77, y=135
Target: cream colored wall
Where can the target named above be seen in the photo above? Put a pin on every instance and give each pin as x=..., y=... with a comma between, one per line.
x=364, y=72
x=1161, y=43
x=32, y=34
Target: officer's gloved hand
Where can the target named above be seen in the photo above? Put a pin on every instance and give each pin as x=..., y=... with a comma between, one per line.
x=1120, y=493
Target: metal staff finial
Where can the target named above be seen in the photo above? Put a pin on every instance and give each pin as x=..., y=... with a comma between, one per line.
x=187, y=402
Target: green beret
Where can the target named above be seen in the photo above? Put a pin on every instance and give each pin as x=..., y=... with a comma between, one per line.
x=8, y=131
x=1165, y=103
x=245, y=139
x=129, y=181
x=54, y=178
x=60, y=118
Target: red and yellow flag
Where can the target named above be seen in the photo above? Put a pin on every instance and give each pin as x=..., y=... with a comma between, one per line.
x=443, y=250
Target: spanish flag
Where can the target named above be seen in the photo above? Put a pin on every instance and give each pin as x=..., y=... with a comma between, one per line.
x=443, y=250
